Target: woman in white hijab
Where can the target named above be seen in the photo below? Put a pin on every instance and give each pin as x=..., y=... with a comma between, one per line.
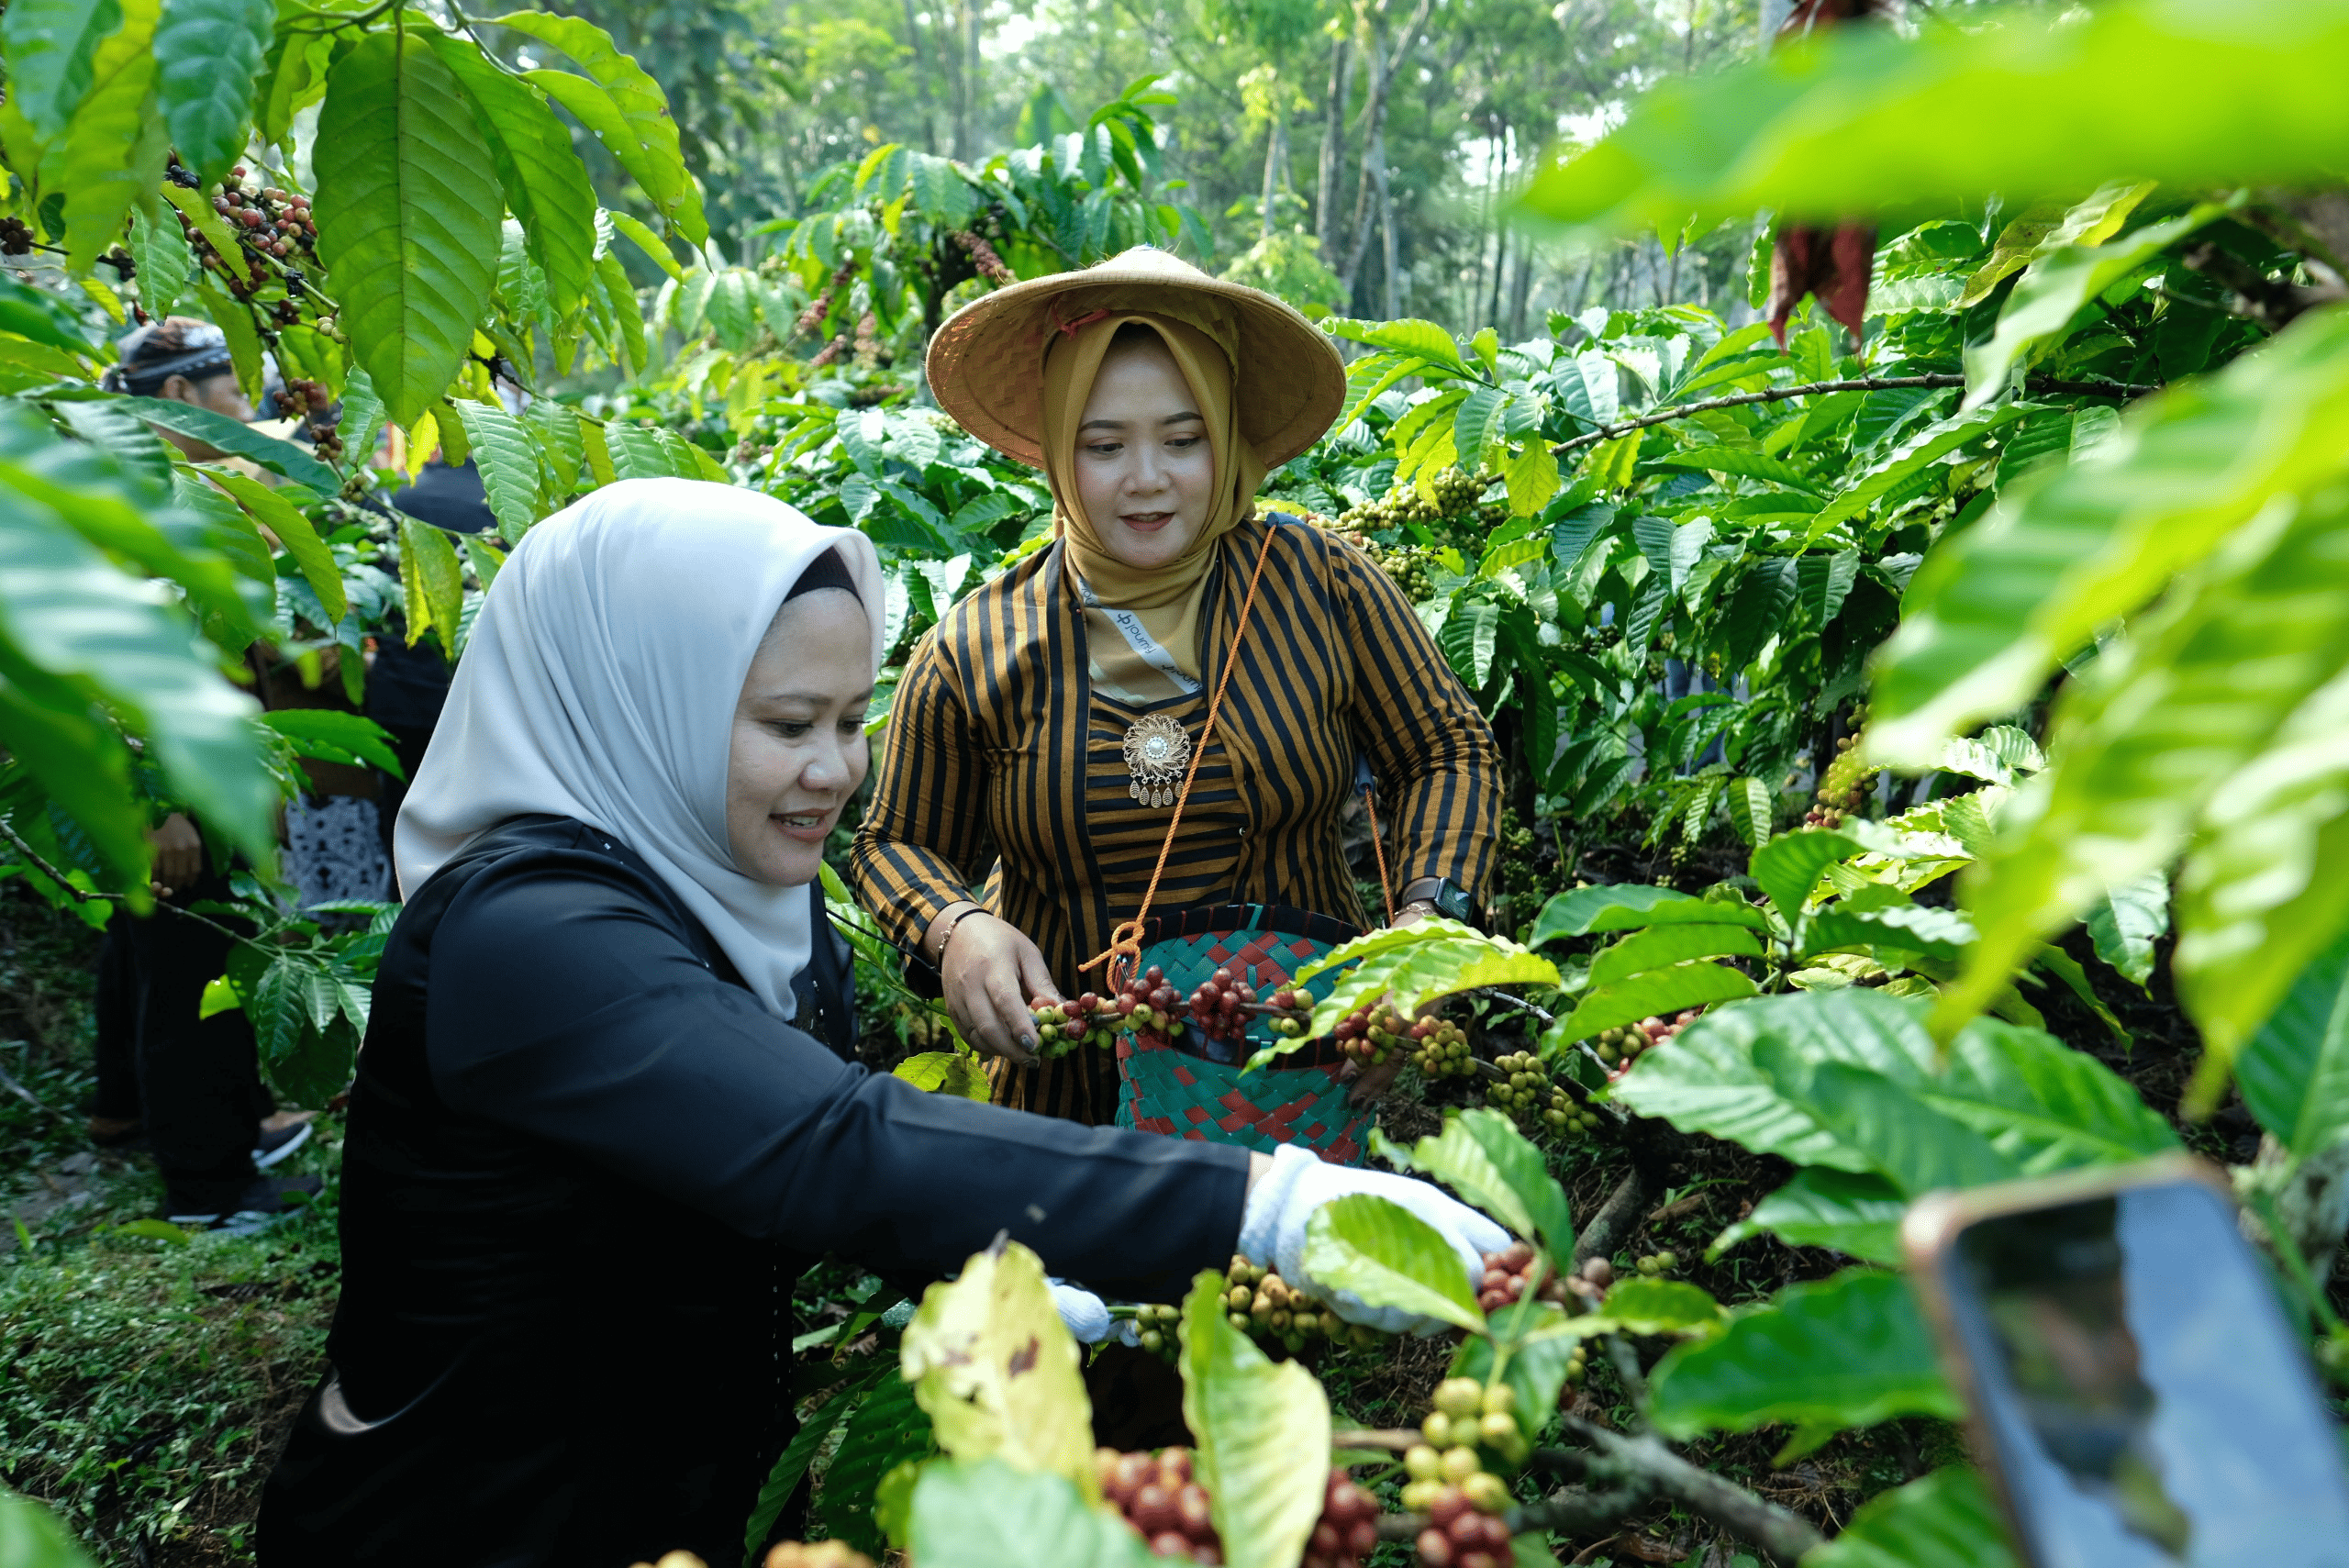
x=588, y=1150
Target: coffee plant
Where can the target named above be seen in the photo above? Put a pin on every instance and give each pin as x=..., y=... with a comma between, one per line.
x=1901, y=699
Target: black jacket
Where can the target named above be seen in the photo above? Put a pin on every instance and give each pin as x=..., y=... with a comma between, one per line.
x=583, y=1167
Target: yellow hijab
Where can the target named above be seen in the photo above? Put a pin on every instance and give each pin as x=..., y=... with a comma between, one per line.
x=1202, y=333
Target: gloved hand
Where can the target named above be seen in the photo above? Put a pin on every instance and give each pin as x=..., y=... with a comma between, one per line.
x=1272, y=1228
x=1086, y=1315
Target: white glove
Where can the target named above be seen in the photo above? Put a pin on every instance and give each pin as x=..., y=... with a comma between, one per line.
x=1272, y=1228
x=1086, y=1315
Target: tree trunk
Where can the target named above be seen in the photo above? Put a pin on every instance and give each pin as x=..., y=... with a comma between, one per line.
x=1382, y=62
x=1275, y=166
x=1520, y=292
x=922, y=74
x=1333, y=130
x=1393, y=295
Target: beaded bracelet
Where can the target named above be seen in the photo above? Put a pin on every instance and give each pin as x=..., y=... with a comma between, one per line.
x=953, y=926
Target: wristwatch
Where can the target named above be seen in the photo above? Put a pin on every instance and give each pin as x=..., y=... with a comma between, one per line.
x=1442, y=894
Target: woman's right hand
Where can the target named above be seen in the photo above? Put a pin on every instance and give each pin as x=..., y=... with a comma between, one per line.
x=991, y=973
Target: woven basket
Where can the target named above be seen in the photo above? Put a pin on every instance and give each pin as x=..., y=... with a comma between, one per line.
x=1193, y=1087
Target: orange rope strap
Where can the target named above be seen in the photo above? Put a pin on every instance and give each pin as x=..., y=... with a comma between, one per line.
x=1125, y=942
x=1378, y=845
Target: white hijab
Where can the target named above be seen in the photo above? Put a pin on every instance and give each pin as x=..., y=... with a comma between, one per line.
x=600, y=685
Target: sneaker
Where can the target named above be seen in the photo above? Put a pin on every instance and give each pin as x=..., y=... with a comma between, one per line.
x=277, y=1142
x=267, y=1196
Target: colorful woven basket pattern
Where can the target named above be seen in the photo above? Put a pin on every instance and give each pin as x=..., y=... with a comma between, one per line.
x=1166, y=1087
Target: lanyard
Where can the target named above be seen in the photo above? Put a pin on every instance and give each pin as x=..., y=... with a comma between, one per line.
x=1138, y=637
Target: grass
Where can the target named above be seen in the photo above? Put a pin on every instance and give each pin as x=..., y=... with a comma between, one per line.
x=146, y=1380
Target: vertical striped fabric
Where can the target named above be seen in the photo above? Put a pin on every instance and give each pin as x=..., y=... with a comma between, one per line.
x=999, y=762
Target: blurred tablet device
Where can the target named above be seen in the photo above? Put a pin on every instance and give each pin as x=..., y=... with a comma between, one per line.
x=2135, y=1391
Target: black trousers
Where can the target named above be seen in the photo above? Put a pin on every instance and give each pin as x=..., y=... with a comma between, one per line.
x=195, y=1082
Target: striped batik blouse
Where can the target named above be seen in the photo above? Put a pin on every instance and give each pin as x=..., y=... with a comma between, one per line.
x=1001, y=770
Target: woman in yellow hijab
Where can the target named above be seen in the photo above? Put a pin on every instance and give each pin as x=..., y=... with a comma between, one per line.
x=1042, y=733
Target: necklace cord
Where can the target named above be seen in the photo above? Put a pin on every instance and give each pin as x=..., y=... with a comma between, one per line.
x=1124, y=950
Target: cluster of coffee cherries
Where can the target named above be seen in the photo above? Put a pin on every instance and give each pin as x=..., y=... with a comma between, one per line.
x=15, y=237
x=1259, y=1303
x=1619, y=1047
x=1369, y=1032
x=1456, y=495
x=1656, y=1265
x=1439, y=1049
x=1061, y=1026
x=1222, y=1004
x=1525, y=1092
x=1147, y=1001
x=1843, y=787
x=1155, y=1327
x=310, y=402
x=1508, y=1275
x=1448, y=1480
x=1158, y=1495
x=1347, y=1530
x=270, y=222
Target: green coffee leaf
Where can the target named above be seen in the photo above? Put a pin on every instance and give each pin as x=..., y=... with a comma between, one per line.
x=1481, y=1155
x=1668, y=944
x=1387, y=1256
x=408, y=215
x=997, y=1370
x=885, y=1430
x=1910, y=459
x=207, y=52
x=622, y=105
x=945, y=1072
x=238, y=439
x=2146, y=741
x=1581, y=911
x=1911, y=930
x=1919, y=1149
x=1948, y=1519
x=282, y=517
x=1408, y=335
x=1743, y=462
x=1990, y=612
x=1655, y=994
x=1789, y=867
x=1707, y=1081
x=1847, y=1351
x=1654, y=1307
x=545, y=183
x=2267, y=883
x=1847, y=123
x=990, y=1515
x=2131, y=919
x=1851, y=1213
x=432, y=584
x=2295, y=1072
x=30, y=1536
x=159, y=253
x=1263, y=1434
x=2057, y=285
x=50, y=45
x=791, y=1465
x=114, y=148
x=2001, y=754
x=509, y=465
x=332, y=736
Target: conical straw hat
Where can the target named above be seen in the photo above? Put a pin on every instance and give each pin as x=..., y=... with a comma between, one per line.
x=987, y=364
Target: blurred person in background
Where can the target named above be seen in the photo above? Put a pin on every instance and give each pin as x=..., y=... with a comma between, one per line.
x=190, y=1085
